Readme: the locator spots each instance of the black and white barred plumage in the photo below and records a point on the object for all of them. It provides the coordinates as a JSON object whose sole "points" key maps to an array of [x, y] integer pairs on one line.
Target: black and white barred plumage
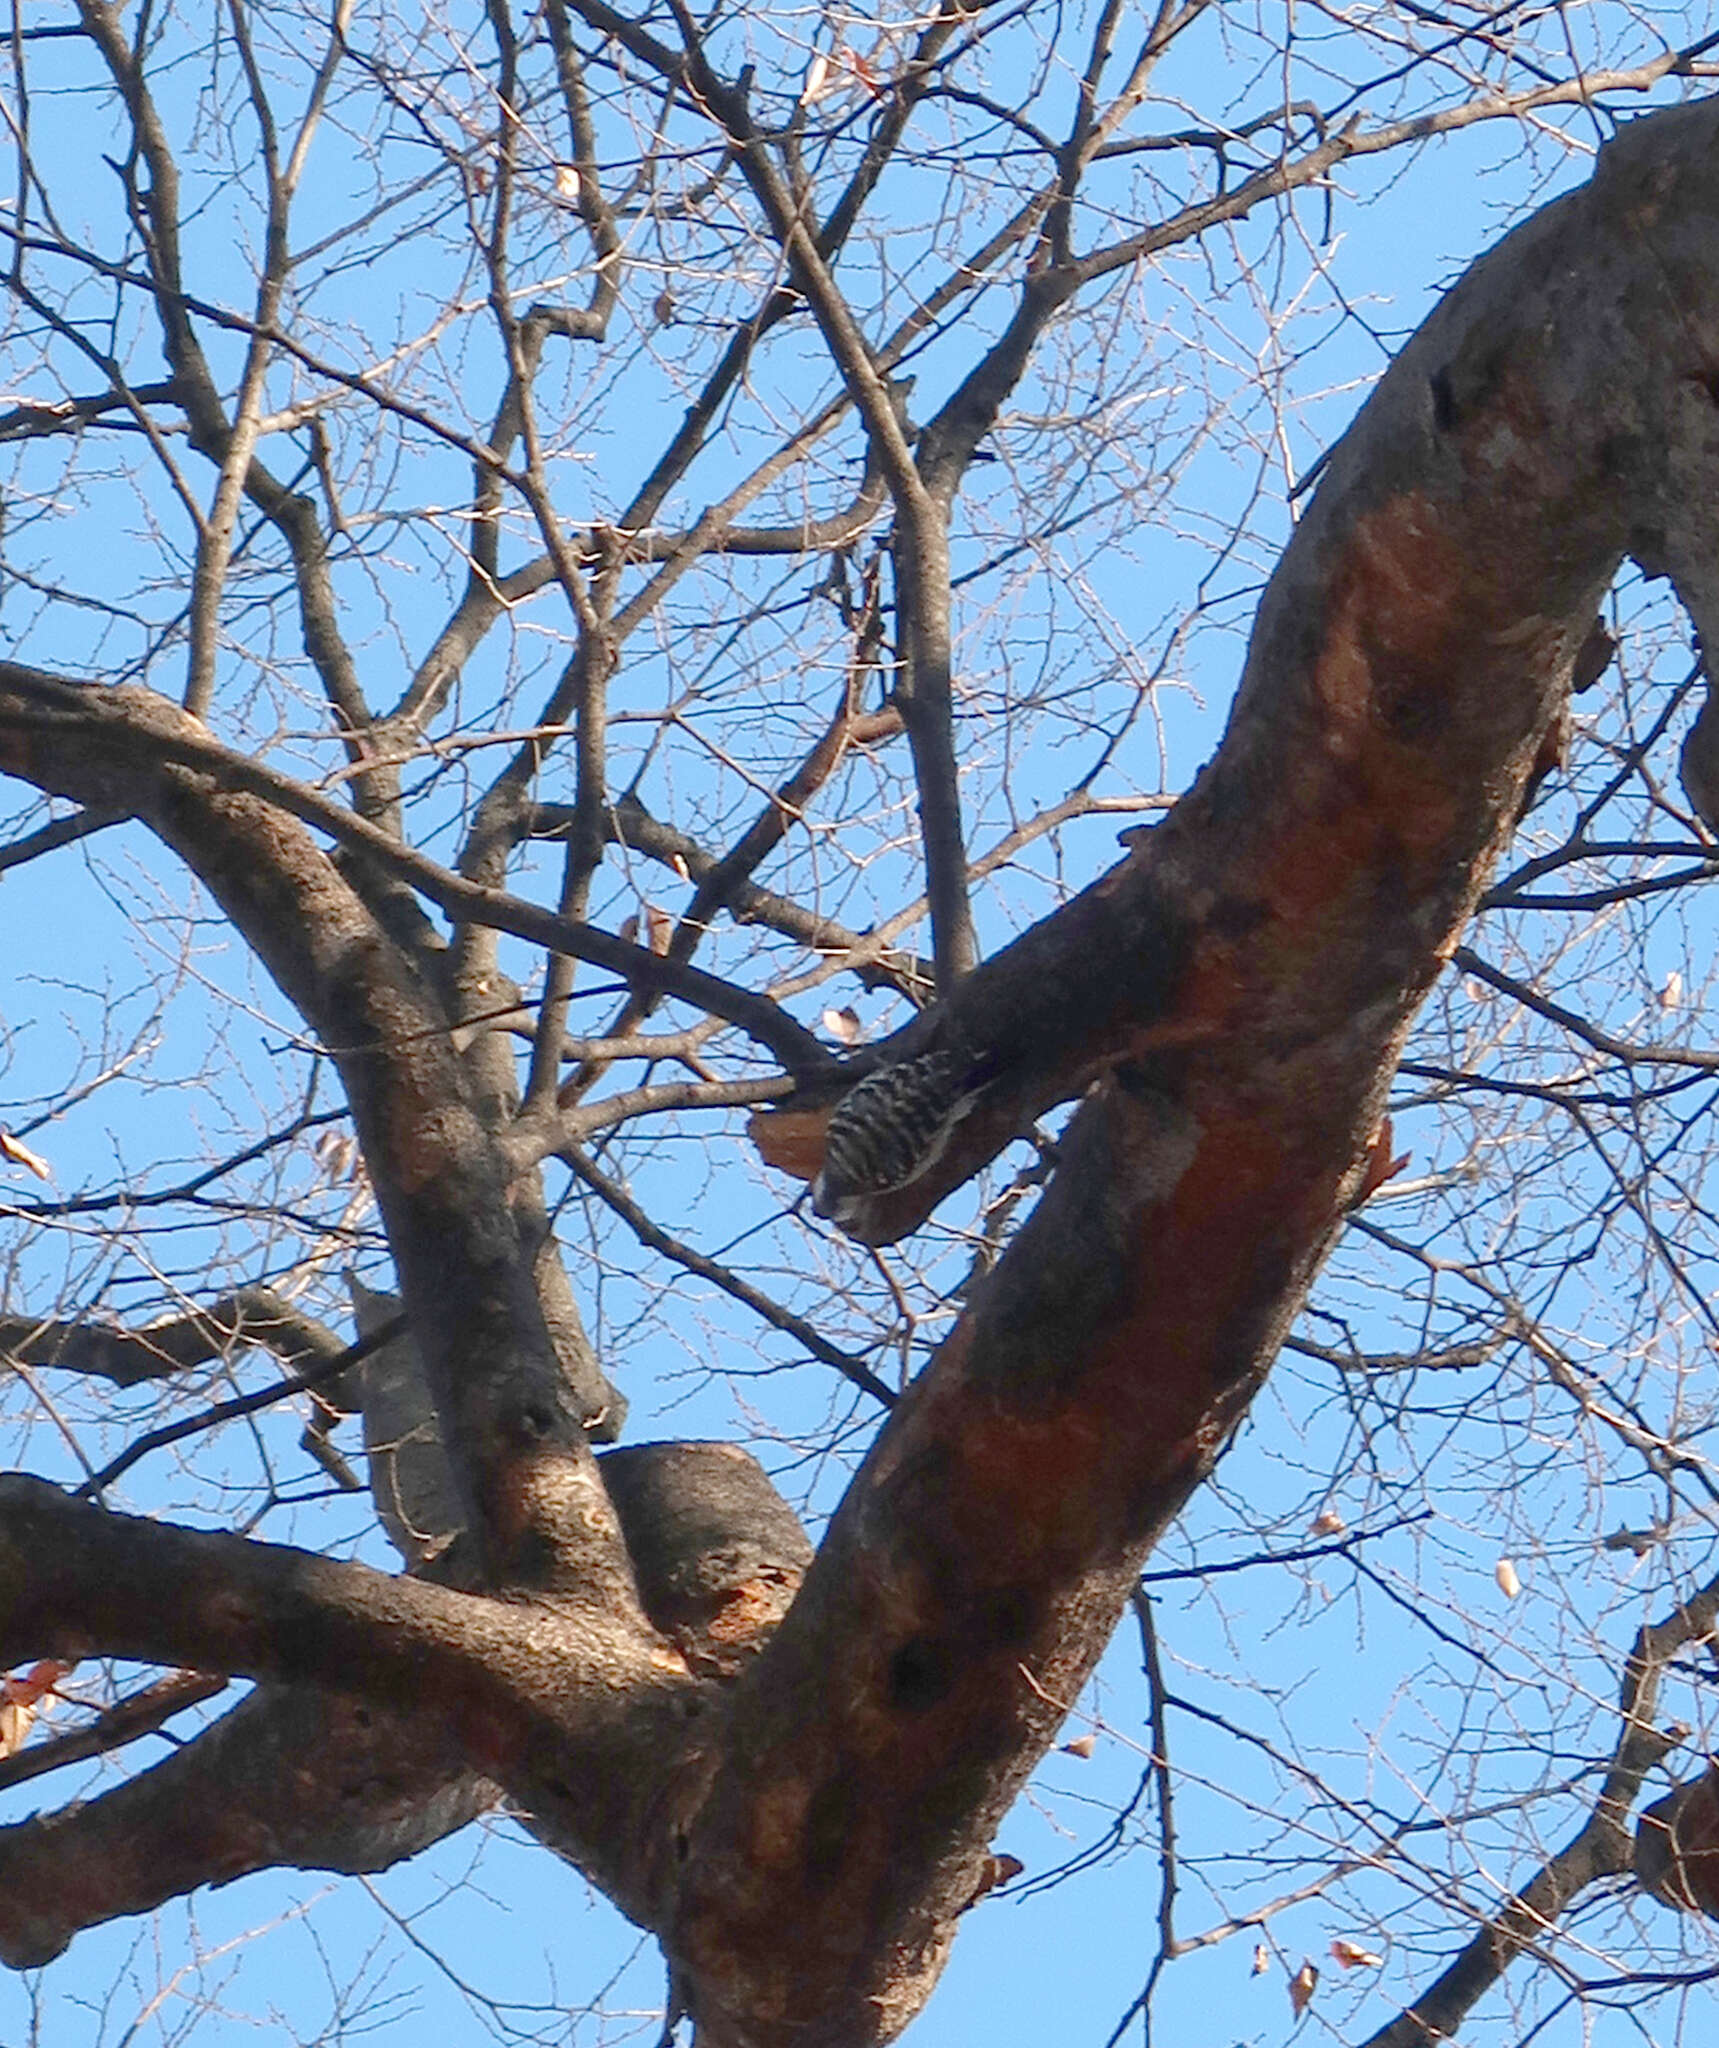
{"points": [[890, 1128]]}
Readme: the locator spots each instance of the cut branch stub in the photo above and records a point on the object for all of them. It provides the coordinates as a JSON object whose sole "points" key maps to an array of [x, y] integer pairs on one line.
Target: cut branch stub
{"points": [[718, 1553], [1677, 1847]]}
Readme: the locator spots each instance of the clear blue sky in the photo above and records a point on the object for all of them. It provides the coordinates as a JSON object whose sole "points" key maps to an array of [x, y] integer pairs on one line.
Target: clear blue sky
{"points": [[411, 1956]]}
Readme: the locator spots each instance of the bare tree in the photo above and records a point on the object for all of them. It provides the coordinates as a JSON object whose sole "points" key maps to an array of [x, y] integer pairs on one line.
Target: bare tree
{"points": [[647, 510]]}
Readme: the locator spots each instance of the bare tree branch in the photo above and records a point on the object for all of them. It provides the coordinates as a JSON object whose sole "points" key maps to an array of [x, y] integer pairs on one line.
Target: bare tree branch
{"points": [[1601, 1848], [252, 1315], [67, 705], [127, 1720]]}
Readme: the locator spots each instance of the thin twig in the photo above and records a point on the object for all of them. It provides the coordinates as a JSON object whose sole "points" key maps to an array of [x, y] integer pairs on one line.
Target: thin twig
{"points": [[648, 1233], [141, 1713], [1600, 1849], [241, 1404]]}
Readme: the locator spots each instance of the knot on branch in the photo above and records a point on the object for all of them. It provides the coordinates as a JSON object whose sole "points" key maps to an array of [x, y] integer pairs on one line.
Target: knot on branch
{"points": [[1677, 1847]]}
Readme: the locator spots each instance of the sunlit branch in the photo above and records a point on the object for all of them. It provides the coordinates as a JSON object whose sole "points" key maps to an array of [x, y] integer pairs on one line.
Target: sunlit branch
{"points": [[61, 832], [142, 1713], [251, 1315], [36, 417]]}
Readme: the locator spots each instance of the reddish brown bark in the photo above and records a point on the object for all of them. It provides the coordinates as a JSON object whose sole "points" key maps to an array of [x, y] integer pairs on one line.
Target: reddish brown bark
{"points": [[1246, 977], [1235, 992]]}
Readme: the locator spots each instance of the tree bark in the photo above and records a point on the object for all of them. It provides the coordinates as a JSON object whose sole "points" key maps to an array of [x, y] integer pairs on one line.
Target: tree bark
{"points": [[1243, 982], [327, 1779], [1556, 412], [1234, 994], [309, 1779]]}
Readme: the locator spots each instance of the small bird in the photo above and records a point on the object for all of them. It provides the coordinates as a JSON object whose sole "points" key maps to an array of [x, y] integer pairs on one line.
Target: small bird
{"points": [[891, 1128]]}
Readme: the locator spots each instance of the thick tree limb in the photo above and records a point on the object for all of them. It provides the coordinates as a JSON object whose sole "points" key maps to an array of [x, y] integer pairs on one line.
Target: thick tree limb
{"points": [[469, 1257], [417, 1497], [1235, 994], [69, 1586], [336, 1781], [925, 695], [579, 1708], [1246, 978], [719, 1553], [311, 1780], [1346, 748]]}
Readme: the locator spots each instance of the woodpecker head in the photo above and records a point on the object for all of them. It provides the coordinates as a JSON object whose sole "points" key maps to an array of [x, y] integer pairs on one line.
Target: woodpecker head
{"points": [[890, 1128]]}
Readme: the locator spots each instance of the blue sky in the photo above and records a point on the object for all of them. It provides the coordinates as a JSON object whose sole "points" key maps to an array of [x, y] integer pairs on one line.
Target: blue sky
{"points": [[1327, 1660]]}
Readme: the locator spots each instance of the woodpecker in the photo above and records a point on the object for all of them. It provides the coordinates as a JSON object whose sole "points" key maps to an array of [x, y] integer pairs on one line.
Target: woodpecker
{"points": [[890, 1128]]}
